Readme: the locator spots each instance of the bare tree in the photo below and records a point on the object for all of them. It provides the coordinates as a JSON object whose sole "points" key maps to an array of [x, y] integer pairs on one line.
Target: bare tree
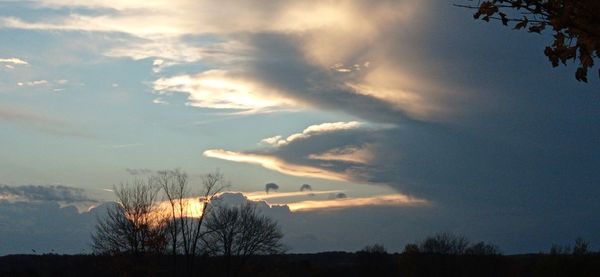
{"points": [[212, 184], [133, 225], [241, 232], [444, 243], [174, 185], [581, 247], [186, 210]]}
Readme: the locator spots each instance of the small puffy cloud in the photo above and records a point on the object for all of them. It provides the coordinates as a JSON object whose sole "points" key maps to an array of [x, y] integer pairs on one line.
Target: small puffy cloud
{"points": [[305, 187], [270, 187], [160, 101]]}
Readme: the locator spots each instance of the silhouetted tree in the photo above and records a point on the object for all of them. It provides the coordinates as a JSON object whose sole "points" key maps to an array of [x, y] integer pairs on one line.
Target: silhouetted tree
{"points": [[241, 232], [444, 243], [557, 249], [374, 249], [411, 248], [483, 249], [133, 225], [581, 247], [575, 26], [174, 186]]}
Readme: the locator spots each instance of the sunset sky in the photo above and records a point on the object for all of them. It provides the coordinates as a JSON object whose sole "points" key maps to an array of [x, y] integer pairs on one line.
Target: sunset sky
{"points": [[406, 118]]}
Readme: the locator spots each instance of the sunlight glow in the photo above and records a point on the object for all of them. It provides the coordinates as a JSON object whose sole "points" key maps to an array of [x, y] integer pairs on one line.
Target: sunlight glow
{"points": [[190, 207], [382, 200]]}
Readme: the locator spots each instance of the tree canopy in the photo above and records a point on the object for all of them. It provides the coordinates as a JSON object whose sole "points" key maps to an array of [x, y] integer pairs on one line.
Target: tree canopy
{"points": [[575, 26]]}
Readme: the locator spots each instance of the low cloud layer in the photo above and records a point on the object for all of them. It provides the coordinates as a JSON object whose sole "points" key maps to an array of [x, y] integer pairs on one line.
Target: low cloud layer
{"points": [[68, 195]]}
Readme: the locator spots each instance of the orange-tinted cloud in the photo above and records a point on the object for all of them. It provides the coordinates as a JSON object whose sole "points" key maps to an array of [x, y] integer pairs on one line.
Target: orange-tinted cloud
{"points": [[382, 200]]}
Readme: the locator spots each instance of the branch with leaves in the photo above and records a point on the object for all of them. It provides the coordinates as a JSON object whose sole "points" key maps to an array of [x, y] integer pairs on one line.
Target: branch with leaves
{"points": [[575, 26]]}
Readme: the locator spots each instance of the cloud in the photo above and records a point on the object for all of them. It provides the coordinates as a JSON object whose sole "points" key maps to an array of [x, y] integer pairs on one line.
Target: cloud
{"points": [[33, 83], [313, 130], [341, 195], [160, 101], [343, 202], [274, 56], [40, 122], [44, 193], [274, 163], [362, 154], [305, 187], [270, 187], [139, 171], [217, 89], [260, 195], [10, 62]]}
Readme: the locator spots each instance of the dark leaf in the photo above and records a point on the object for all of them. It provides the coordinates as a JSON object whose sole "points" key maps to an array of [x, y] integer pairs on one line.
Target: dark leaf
{"points": [[581, 74]]}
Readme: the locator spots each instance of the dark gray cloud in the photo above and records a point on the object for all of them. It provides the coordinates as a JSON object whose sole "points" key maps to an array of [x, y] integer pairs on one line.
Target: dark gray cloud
{"points": [[64, 194], [516, 159], [280, 63], [46, 227], [341, 195]]}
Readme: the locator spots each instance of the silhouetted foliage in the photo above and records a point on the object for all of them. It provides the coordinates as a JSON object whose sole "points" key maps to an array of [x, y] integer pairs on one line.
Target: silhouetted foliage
{"points": [[451, 244], [444, 243], [374, 249], [575, 26], [481, 249], [557, 249]]}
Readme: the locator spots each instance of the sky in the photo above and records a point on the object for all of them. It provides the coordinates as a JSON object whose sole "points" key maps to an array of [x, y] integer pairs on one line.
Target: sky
{"points": [[406, 118]]}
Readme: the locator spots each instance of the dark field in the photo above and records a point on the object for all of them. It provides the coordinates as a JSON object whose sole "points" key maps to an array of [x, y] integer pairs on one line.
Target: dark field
{"points": [[321, 264]]}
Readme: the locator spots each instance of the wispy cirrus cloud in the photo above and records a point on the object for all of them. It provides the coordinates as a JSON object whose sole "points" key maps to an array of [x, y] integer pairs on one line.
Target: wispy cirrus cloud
{"points": [[12, 62], [276, 164], [29, 118], [261, 195], [397, 200]]}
